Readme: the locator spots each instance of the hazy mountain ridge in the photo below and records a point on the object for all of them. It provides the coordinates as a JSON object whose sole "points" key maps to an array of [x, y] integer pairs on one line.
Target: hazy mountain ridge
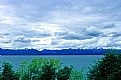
{"points": [[56, 52]]}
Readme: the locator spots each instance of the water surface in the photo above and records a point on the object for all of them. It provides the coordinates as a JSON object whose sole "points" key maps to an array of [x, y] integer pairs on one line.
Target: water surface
{"points": [[79, 61]]}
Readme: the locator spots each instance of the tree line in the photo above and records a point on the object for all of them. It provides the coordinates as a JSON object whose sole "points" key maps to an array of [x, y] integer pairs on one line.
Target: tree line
{"points": [[106, 68], [40, 69]]}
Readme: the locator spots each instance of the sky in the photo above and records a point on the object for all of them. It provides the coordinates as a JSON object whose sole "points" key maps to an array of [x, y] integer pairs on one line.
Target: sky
{"points": [[60, 24]]}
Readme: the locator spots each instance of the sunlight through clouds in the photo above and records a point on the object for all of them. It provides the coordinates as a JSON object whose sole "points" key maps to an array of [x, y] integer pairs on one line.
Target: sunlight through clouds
{"points": [[60, 24]]}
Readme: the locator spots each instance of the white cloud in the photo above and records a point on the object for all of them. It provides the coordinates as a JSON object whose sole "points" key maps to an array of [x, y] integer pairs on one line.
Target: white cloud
{"points": [[65, 24], [45, 26], [9, 20], [88, 9], [104, 41], [69, 18]]}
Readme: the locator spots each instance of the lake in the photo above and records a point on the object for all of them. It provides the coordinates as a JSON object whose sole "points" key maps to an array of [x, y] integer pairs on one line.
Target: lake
{"points": [[79, 61]]}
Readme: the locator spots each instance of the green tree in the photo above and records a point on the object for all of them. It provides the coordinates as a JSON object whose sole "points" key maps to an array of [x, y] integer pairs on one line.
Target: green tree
{"points": [[24, 71], [65, 73], [48, 72], [0, 76], [38, 67], [8, 73], [108, 68], [77, 75]]}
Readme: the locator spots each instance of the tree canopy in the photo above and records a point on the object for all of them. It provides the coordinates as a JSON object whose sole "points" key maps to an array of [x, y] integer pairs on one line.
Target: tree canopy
{"points": [[108, 68], [8, 73]]}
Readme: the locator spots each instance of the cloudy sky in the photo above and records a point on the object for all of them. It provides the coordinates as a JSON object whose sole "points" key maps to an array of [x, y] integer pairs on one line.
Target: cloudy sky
{"points": [[58, 24]]}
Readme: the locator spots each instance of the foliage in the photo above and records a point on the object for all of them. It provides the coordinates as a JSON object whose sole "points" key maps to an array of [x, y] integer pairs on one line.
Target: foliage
{"points": [[38, 68], [8, 73], [77, 75], [65, 73], [48, 72], [0, 76], [108, 68]]}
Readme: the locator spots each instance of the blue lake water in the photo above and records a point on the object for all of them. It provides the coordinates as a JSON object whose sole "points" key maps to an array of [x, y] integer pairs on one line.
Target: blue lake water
{"points": [[79, 61]]}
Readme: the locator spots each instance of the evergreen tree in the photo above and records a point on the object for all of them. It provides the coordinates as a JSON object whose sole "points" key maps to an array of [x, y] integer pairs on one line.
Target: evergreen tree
{"points": [[8, 73], [77, 75], [48, 72], [108, 68], [65, 73]]}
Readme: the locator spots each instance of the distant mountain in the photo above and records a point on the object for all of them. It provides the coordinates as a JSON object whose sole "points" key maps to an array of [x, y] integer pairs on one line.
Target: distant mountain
{"points": [[56, 52]]}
